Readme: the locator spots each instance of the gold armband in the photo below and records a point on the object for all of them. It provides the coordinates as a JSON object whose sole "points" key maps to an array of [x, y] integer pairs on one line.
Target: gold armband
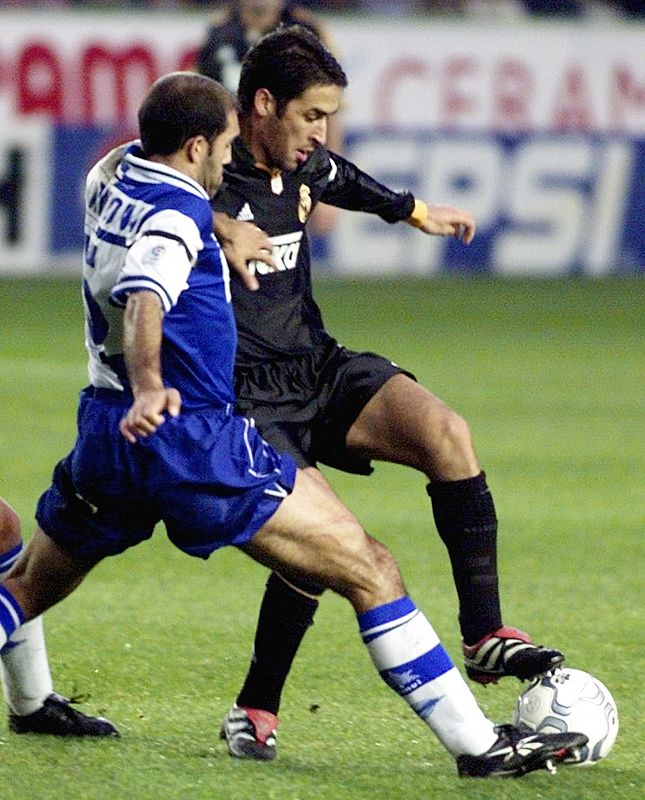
{"points": [[419, 215]]}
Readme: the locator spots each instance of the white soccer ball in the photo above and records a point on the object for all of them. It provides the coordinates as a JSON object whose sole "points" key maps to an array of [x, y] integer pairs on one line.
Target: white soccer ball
{"points": [[571, 700]]}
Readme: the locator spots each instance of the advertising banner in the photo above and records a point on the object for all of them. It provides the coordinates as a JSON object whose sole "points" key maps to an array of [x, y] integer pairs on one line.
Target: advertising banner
{"points": [[537, 129], [545, 204], [513, 77]]}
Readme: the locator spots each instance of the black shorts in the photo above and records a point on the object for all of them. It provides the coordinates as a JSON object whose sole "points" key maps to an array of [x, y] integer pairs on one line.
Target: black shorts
{"points": [[305, 405]]}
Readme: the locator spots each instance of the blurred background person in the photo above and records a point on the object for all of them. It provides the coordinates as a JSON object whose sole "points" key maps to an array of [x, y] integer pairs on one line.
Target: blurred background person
{"points": [[238, 26], [232, 31]]}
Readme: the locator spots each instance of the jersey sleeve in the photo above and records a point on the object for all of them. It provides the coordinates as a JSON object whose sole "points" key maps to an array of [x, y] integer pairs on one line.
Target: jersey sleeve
{"points": [[159, 259], [350, 188]]}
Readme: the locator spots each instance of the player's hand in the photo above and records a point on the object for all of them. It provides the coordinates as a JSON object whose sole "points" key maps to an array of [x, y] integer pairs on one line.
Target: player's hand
{"points": [[448, 221], [242, 242], [147, 411]]}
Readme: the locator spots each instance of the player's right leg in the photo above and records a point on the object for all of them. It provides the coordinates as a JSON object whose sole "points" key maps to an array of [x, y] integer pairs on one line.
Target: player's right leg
{"points": [[405, 423], [34, 707], [314, 535]]}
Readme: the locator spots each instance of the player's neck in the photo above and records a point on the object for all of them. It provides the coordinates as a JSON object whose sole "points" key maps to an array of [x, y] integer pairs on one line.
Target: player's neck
{"points": [[179, 163], [254, 145]]}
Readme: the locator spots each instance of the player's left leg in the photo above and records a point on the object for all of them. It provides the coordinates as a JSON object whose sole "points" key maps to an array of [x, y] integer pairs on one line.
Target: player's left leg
{"points": [[286, 613], [404, 423], [312, 534], [34, 707]]}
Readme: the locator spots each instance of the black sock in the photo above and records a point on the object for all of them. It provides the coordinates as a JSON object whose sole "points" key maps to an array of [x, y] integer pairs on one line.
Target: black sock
{"points": [[465, 517], [285, 615]]}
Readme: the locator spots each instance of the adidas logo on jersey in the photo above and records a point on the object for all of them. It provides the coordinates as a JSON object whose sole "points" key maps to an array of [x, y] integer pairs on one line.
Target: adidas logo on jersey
{"points": [[285, 254], [245, 214]]}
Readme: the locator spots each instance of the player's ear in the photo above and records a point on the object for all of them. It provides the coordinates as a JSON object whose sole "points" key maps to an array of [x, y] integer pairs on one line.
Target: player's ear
{"points": [[264, 103], [195, 148]]}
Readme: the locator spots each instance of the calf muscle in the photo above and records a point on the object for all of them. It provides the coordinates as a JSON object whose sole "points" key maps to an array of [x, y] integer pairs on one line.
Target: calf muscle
{"points": [[314, 534]]}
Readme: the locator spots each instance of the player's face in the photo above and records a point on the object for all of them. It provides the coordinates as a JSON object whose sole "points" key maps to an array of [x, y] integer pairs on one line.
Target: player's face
{"points": [[220, 154], [262, 6], [290, 139]]}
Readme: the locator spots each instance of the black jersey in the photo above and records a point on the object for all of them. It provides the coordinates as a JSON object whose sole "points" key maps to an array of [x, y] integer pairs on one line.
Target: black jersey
{"points": [[281, 318]]}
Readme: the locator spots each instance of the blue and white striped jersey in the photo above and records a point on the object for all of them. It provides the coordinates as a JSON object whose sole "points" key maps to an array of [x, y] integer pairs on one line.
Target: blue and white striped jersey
{"points": [[148, 226]]}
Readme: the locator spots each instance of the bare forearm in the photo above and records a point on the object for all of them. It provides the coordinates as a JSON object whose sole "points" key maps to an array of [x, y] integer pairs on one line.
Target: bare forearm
{"points": [[142, 334]]}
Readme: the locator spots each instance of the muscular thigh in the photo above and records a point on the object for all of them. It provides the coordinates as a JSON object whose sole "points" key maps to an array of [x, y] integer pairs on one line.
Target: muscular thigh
{"points": [[45, 574], [402, 423]]}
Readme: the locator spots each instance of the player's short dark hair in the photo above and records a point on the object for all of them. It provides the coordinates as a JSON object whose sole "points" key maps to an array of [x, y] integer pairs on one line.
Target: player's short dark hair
{"points": [[287, 62], [179, 106]]}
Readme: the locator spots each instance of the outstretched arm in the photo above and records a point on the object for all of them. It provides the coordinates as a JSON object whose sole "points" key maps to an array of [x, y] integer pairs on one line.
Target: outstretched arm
{"points": [[351, 188], [142, 334]]}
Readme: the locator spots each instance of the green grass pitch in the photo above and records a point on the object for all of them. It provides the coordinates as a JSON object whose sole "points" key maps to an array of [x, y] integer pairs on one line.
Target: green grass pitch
{"points": [[550, 375]]}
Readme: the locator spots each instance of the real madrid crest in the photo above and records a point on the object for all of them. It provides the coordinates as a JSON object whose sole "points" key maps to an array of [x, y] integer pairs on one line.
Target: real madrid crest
{"points": [[277, 185], [304, 204]]}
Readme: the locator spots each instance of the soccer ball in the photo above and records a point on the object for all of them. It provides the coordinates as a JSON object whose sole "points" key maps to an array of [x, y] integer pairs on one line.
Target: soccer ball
{"points": [[571, 700]]}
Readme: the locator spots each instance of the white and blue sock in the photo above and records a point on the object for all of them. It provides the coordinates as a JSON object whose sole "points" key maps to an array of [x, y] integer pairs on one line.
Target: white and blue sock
{"points": [[26, 677], [411, 660], [11, 617]]}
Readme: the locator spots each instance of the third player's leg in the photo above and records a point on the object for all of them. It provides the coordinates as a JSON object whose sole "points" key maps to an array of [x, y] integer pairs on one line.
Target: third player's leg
{"points": [[44, 574], [406, 424], [9, 528]]}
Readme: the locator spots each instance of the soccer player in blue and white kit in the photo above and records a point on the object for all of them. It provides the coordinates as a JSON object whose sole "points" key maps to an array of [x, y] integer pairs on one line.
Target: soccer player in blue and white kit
{"points": [[158, 439]]}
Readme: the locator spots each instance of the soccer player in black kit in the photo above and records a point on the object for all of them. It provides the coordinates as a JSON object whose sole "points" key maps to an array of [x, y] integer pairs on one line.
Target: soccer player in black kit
{"points": [[326, 404]]}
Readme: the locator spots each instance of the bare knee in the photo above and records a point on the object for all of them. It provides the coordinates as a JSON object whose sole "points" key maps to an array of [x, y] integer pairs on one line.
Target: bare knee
{"points": [[315, 536], [407, 424], [450, 452], [455, 433], [10, 535]]}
